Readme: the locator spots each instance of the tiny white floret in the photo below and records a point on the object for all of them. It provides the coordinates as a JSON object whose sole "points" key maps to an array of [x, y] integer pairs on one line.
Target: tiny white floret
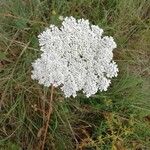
{"points": [[75, 57]]}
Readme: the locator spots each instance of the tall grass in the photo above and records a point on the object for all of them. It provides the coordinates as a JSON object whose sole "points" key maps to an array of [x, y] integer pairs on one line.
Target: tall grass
{"points": [[117, 119]]}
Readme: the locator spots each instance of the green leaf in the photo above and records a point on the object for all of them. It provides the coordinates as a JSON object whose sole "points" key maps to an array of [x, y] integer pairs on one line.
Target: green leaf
{"points": [[3, 56]]}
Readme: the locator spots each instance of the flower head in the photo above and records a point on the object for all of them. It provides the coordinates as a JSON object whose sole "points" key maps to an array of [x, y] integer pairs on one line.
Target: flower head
{"points": [[75, 57]]}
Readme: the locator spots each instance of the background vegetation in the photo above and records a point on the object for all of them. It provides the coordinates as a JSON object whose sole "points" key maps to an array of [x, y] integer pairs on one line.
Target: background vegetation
{"points": [[118, 119]]}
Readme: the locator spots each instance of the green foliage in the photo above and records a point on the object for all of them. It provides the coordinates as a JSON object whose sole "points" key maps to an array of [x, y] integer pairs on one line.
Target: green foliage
{"points": [[116, 119], [10, 146]]}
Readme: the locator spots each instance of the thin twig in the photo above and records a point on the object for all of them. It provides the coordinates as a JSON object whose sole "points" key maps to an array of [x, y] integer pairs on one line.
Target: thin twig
{"points": [[48, 117]]}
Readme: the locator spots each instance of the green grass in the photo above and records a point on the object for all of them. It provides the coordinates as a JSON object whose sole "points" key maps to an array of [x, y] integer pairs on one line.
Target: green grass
{"points": [[118, 119]]}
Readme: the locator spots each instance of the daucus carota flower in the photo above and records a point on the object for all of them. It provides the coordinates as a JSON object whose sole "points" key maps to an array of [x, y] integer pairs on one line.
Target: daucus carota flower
{"points": [[75, 57]]}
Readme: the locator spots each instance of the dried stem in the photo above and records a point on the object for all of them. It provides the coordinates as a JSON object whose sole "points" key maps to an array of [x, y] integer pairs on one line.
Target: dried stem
{"points": [[48, 117]]}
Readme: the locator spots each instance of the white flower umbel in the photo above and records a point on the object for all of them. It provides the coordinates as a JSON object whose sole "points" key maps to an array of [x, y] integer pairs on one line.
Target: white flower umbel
{"points": [[75, 57]]}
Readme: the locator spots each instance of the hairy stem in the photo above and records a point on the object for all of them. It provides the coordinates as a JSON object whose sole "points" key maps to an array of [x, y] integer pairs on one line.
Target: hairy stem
{"points": [[48, 117]]}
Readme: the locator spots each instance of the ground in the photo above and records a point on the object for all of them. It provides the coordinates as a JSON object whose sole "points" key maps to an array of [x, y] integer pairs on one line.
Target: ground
{"points": [[118, 119]]}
